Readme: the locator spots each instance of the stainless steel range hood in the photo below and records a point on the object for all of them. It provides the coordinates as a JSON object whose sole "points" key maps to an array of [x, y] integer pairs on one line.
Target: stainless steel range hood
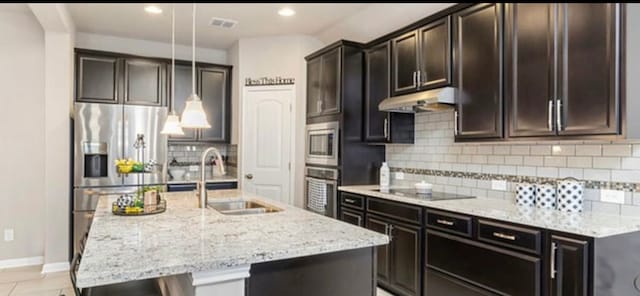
{"points": [[424, 101]]}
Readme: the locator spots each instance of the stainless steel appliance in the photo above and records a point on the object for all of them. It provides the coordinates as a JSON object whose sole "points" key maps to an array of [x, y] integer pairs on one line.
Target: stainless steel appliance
{"points": [[322, 143], [102, 134], [321, 190], [428, 100]]}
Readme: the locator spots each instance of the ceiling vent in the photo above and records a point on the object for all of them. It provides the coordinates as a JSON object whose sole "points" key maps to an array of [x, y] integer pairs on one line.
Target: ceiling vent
{"points": [[222, 23]]}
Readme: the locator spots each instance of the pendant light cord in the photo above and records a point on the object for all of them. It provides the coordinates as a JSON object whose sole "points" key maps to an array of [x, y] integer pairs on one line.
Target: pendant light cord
{"points": [[193, 52], [173, 58]]}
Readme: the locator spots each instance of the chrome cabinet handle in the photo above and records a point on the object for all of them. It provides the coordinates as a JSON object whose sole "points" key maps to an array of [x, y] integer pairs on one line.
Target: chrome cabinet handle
{"points": [[504, 236], [348, 200], [550, 119], [445, 222], [559, 114], [390, 232], [419, 78], [359, 221], [415, 80], [386, 129], [554, 248], [249, 176], [455, 122]]}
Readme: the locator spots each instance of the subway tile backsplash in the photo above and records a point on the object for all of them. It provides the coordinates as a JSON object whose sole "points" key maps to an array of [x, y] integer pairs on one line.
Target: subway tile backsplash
{"points": [[468, 168]]}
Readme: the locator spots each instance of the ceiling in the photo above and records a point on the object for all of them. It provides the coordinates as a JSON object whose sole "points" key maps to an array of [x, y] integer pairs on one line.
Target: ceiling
{"points": [[254, 20]]}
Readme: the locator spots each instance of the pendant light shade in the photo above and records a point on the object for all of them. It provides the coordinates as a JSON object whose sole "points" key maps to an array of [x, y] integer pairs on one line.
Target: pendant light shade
{"points": [[172, 125], [193, 115]]}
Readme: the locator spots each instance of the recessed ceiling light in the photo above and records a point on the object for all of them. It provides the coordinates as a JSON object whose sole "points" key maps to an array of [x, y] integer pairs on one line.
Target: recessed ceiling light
{"points": [[286, 11], [152, 9]]}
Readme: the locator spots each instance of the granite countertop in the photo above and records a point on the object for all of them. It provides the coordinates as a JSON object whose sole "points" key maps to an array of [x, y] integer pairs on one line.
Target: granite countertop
{"points": [[209, 179], [188, 239], [587, 224]]}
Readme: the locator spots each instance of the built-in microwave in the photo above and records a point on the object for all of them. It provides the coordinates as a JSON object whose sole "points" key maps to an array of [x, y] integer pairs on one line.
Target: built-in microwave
{"points": [[322, 143]]}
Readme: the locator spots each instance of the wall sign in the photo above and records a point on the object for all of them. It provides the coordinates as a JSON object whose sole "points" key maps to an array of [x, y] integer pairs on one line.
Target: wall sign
{"points": [[269, 81]]}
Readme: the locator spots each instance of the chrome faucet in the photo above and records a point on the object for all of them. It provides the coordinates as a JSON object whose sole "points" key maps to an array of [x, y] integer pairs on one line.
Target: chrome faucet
{"points": [[202, 184]]}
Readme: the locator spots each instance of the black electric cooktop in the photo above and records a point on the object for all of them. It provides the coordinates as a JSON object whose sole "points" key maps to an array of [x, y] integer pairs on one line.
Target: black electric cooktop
{"points": [[412, 193]]}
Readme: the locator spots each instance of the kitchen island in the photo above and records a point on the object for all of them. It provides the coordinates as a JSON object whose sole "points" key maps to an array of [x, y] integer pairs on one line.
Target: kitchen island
{"points": [[195, 251]]}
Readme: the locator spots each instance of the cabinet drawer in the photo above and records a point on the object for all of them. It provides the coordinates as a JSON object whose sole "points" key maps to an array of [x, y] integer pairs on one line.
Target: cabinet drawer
{"points": [[498, 270], [448, 222], [352, 200], [395, 210], [519, 238]]}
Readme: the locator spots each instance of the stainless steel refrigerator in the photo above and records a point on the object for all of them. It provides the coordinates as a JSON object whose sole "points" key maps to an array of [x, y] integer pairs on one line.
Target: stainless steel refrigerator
{"points": [[102, 134]]}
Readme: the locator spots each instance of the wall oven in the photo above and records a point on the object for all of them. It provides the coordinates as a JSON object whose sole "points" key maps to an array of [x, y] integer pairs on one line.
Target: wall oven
{"points": [[321, 190], [322, 143]]}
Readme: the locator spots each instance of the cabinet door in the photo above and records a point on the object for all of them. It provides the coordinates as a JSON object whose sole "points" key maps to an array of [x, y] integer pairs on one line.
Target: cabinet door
{"points": [[314, 90], [406, 254], [213, 90], [589, 68], [529, 63], [478, 48], [352, 217], [97, 78], [435, 54], [570, 266], [182, 92], [381, 226], [144, 82], [405, 63], [376, 124], [330, 82]]}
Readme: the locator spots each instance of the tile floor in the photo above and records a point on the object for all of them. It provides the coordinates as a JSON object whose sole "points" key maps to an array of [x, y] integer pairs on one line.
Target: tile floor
{"points": [[28, 281]]}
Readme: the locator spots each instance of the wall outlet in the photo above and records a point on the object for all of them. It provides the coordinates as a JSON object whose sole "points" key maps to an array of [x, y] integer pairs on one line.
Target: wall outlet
{"points": [[8, 235], [614, 196], [499, 185], [399, 176]]}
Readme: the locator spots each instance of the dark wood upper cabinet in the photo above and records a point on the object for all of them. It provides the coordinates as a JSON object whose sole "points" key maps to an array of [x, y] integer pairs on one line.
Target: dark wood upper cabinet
{"points": [[478, 58], [324, 90], [435, 54], [529, 69], [331, 77], [379, 126], [213, 86], [97, 78], [405, 63], [144, 82], [589, 68], [314, 87], [183, 91], [570, 263]]}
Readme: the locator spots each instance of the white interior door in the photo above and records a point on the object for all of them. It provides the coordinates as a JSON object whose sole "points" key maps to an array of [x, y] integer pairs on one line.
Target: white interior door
{"points": [[266, 141]]}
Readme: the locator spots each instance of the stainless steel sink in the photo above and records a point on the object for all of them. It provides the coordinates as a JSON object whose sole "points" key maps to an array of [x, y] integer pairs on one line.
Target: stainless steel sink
{"points": [[242, 207]]}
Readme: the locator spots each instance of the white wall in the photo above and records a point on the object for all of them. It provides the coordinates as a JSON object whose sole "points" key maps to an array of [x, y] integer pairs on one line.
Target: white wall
{"points": [[147, 48], [378, 19], [22, 130], [269, 57]]}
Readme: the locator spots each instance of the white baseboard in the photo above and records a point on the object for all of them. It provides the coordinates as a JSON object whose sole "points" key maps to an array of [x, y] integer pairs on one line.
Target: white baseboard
{"points": [[55, 267], [20, 262]]}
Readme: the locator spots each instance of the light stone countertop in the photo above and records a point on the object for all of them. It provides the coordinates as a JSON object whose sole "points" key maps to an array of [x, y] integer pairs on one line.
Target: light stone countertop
{"points": [[187, 239], [209, 179], [586, 224]]}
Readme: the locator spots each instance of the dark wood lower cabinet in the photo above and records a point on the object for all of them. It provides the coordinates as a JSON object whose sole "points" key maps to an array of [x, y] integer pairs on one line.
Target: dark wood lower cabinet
{"points": [[352, 217], [399, 263], [494, 269], [438, 283], [570, 266]]}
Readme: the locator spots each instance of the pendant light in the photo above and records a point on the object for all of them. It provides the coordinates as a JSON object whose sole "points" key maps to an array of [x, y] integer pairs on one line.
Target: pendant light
{"points": [[172, 125], [193, 115]]}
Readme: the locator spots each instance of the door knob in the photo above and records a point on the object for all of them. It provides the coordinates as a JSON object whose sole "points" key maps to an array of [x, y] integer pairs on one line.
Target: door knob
{"points": [[249, 176]]}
